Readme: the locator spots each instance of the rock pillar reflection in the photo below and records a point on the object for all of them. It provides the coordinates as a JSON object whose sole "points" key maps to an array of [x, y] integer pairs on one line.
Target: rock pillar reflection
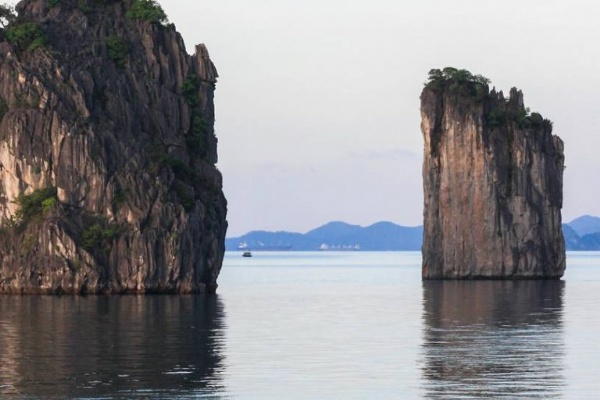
{"points": [[159, 346], [488, 339]]}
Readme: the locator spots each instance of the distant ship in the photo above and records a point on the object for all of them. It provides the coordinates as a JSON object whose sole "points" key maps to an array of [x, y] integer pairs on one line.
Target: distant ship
{"points": [[247, 254], [340, 247], [265, 247]]}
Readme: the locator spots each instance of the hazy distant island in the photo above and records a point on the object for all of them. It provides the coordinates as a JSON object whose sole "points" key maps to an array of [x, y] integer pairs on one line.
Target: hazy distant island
{"points": [[493, 183], [337, 235], [580, 234]]}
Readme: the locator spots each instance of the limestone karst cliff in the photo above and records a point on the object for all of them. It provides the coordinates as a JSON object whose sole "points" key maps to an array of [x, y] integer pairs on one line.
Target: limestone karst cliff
{"points": [[493, 177], [108, 181]]}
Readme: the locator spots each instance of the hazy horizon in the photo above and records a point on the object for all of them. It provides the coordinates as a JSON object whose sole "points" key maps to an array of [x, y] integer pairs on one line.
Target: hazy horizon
{"points": [[230, 236]]}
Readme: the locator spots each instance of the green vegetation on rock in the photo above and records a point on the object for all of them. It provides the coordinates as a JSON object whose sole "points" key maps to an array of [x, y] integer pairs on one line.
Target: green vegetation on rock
{"points": [[190, 87], [35, 204], [457, 80], [48, 204], [117, 50], [199, 127], [180, 168], [476, 87], [195, 140], [147, 10], [26, 35], [83, 6], [95, 236], [120, 197], [503, 114], [185, 195], [496, 118]]}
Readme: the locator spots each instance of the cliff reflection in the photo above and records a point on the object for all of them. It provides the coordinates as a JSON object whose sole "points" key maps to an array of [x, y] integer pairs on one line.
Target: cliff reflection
{"points": [[105, 346], [493, 339]]}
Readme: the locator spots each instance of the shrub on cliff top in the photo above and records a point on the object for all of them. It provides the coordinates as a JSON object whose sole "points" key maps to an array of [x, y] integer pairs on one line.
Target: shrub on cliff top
{"points": [[457, 80], [536, 120], [523, 119], [469, 86], [451, 74], [147, 10]]}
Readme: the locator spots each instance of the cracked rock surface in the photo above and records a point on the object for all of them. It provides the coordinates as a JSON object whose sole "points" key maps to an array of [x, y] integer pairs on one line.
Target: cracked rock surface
{"points": [[108, 181], [493, 179]]}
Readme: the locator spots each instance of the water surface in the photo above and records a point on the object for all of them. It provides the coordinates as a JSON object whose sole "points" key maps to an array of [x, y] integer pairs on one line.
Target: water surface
{"points": [[313, 325]]}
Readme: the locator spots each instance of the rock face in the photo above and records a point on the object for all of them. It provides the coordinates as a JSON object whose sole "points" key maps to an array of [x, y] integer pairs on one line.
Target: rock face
{"points": [[493, 177], [107, 153]]}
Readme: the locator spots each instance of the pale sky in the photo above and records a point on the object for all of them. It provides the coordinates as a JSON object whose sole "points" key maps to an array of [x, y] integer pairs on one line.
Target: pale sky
{"points": [[317, 102]]}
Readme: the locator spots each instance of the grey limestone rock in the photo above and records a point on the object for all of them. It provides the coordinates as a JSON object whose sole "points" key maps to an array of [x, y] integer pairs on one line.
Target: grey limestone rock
{"points": [[108, 181], [493, 177]]}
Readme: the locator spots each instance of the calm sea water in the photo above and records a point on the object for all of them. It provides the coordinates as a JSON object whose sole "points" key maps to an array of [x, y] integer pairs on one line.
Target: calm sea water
{"points": [[313, 326]]}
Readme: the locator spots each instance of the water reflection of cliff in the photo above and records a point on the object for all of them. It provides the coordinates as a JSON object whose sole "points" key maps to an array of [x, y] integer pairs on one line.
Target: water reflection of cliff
{"points": [[124, 346], [490, 339]]}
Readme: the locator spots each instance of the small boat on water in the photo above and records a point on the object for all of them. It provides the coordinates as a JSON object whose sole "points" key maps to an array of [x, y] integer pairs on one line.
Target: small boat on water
{"points": [[247, 254]]}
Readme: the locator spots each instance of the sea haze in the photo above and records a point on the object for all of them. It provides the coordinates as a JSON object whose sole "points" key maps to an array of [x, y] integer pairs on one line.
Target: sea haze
{"points": [[308, 325]]}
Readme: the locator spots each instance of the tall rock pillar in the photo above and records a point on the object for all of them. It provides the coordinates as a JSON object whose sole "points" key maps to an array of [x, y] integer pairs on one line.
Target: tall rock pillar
{"points": [[108, 182], [493, 177]]}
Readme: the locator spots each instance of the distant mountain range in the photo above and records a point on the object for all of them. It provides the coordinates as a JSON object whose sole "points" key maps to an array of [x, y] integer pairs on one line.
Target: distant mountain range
{"points": [[582, 233], [334, 236]]}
